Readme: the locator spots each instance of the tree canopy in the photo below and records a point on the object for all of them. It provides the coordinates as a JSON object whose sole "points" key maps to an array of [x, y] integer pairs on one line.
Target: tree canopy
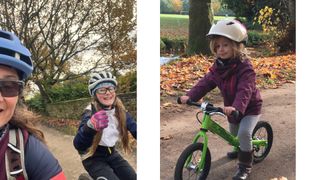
{"points": [[69, 39]]}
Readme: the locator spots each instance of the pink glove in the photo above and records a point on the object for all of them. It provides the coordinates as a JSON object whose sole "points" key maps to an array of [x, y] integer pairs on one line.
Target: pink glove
{"points": [[98, 121]]}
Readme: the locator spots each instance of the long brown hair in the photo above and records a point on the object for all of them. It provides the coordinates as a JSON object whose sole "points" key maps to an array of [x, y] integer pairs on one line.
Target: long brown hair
{"points": [[120, 113], [24, 119]]}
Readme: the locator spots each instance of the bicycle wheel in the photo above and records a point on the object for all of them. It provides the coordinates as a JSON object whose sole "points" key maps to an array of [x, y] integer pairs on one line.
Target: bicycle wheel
{"points": [[192, 169], [262, 131]]}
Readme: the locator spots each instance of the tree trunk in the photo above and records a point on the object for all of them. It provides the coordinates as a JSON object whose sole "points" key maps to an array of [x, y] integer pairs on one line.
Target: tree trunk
{"points": [[199, 25], [292, 10], [45, 98]]}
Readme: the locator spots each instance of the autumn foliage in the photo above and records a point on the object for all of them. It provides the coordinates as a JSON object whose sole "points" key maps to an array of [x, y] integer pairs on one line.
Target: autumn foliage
{"points": [[181, 75]]}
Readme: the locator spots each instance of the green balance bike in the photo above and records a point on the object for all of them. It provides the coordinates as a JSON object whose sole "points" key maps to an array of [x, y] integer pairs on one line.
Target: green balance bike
{"points": [[195, 161]]}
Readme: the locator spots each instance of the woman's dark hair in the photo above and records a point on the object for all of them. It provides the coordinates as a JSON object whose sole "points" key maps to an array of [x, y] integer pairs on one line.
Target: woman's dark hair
{"points": [[24, 119]]}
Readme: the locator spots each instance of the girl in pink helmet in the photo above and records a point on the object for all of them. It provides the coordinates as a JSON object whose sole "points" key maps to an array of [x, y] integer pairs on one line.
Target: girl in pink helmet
{"points": [[233, 74]]}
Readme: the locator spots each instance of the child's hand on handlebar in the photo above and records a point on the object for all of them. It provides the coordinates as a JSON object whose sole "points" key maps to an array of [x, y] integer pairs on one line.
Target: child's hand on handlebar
{"points": [[184, 99], [227, 110]]}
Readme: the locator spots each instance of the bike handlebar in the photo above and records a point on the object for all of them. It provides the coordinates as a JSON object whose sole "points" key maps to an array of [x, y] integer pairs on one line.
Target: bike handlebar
{"points": [[208, 107]]}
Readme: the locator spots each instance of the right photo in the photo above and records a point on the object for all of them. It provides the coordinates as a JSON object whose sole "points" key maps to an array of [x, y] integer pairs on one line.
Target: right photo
{"points": [[227, 90]]}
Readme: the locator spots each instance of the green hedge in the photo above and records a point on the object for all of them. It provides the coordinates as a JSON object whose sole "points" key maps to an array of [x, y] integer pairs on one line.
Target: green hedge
{"points": [[256, 38], [36, 104], [128, 82], [177, 45], [69, 90], [73, 109], [76, 89]]}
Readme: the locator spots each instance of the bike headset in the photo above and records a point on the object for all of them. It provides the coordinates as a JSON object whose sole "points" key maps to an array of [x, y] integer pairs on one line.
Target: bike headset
{"points": [[14, 54], [231, 29], [97, 79]]}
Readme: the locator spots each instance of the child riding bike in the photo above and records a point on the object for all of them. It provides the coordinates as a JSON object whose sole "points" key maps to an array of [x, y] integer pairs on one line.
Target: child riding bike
{"points": [[233, 74], [104, 122], [23, 154]]}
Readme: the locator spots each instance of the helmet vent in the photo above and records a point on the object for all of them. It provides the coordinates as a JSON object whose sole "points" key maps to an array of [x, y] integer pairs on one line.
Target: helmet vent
{"points": [[230, 23], [7, 52], [16, 55], [5, 35], [102, 76]]}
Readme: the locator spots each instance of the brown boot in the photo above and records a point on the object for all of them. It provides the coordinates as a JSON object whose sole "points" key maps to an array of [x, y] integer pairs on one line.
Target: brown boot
{"points": [[245, 165]]}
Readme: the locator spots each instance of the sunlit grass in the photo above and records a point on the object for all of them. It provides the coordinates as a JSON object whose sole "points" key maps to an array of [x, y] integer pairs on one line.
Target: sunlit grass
{"points": [[176, 25]]}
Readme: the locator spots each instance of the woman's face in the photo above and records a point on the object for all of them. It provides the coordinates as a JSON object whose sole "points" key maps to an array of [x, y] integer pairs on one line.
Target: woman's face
{"points": [[106, 95], [7, 104], [223, 48]]}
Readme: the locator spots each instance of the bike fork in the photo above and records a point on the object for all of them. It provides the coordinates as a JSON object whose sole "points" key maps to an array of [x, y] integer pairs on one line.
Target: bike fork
{"points": [[202, 134]]}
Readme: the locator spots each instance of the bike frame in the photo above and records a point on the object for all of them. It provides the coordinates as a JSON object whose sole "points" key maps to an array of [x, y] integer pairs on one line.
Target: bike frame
{"points": [[215, 128]]}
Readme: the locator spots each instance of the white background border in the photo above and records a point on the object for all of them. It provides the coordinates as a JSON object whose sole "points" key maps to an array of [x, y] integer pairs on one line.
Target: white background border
{"points": [[148, 100]]}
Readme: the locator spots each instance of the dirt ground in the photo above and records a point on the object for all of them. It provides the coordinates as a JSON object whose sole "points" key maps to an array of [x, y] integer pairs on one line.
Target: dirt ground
{"points": [[178, 127], [62, 147]]}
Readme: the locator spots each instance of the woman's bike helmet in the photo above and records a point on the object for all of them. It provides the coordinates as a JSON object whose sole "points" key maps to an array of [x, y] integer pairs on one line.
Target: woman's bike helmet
{"points": [[14, 54]]}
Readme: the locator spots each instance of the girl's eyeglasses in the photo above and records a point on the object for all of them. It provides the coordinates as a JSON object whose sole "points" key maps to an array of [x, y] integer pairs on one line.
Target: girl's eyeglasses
{"points": [[11, 88], [105, 90]]}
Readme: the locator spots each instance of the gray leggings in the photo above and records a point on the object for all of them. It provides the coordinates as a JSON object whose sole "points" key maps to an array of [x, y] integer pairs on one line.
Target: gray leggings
{"points": [[244, 131]]}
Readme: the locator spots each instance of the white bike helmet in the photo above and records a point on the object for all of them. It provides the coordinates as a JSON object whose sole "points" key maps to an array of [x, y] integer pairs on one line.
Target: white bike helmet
{"points": [[14, 54], [231, 29], [101, 77]]}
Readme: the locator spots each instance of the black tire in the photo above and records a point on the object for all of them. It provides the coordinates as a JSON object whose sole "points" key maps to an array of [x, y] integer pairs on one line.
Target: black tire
{"points": [[262, 130], [188, 173]]}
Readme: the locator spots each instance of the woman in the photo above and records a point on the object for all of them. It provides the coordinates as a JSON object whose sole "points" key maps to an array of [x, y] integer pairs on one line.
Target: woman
{"points": [[17, 133], [104, 122]]}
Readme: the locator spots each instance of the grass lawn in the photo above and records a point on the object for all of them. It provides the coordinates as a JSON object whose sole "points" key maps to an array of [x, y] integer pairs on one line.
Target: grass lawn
{"points": [[176, 25]]}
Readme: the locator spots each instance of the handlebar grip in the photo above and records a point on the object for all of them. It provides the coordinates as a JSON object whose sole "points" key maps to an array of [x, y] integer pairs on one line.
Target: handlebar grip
{"points": [[235, 114], [190, 102], [220, 109], [179, 100]]}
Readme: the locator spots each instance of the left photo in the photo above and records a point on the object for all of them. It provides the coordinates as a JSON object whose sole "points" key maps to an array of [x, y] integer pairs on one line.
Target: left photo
{"points": [[68, 89]]}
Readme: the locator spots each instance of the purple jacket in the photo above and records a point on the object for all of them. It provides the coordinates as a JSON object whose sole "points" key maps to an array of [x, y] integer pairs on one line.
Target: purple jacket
{"points": [[237, 83]]}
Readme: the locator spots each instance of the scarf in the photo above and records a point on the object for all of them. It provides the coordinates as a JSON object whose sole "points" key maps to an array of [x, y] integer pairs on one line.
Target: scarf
{"points": [[226, 70]]}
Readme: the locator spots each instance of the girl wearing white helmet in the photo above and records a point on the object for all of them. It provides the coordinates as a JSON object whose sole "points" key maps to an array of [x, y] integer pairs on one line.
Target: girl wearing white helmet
{"points": [[103, 124], [233, 74], [23, 154]]}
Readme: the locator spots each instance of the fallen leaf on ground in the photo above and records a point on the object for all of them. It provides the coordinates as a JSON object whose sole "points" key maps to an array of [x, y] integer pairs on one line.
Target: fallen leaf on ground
{"points": [[181, 75], [166, 137], [166, 104]]}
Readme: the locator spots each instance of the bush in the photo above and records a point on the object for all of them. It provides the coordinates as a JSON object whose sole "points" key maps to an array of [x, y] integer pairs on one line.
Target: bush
{"points": [[69, 90], [76, 89], [279, 23], [128, 82], [257, 38], [162, 45], [36, 104], [175, 45]]}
